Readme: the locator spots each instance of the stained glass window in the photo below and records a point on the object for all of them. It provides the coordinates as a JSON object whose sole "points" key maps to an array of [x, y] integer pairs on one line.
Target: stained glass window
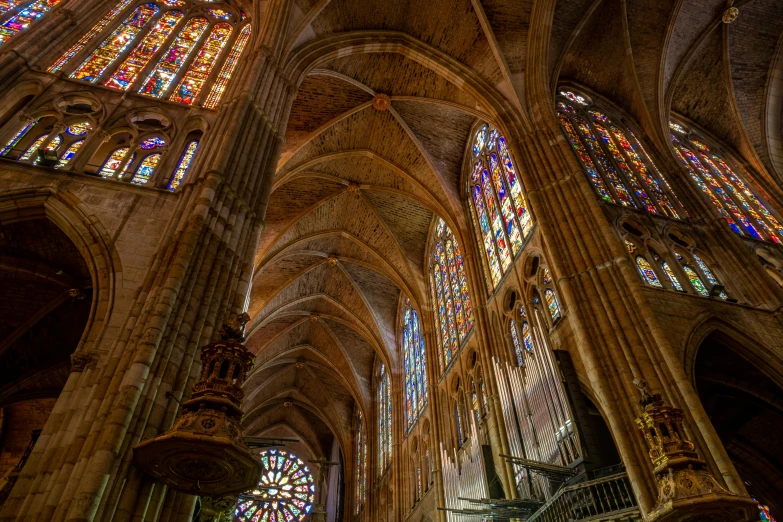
{"points": [[219, 13], [671, 277], [197, 74], [647, 272], [361, 463], [33, 148], [17, 138], [474, 400], [695, 280], [128, 72], [460, 430], [145, 169], [552, 305], [184, 164], [384, 420], [78, 129], [502, 219], [69, 153], [113, 162], [152, 143], [764, 513], [285, 492], [614, 160], [90, 36], [415, 366], [742, 209], [219, 86], [517, 345], [177, 54], [119, 40], [6, 5], [454, 312], [20, 21]]}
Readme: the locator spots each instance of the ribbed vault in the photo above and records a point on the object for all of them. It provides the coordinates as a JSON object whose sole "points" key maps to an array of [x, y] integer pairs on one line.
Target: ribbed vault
{"points": [[358, 189]]}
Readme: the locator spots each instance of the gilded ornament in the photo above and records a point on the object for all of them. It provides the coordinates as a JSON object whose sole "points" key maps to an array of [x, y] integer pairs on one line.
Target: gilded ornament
{"points": [[729, 15]]}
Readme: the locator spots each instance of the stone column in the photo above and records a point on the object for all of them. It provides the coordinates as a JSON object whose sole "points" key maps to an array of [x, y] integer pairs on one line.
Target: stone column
{"points": [[81, 470]]}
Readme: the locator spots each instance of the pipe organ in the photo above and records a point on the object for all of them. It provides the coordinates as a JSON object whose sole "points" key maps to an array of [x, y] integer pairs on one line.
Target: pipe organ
{"points": [[464, 477]]}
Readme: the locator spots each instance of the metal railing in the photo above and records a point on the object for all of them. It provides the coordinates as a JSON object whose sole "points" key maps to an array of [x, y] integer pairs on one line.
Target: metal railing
{"points": [[606, 498]]}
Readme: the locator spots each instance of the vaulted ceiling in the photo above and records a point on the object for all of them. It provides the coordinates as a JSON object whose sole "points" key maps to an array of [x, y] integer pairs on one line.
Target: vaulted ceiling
{"points": [[359, 187]]}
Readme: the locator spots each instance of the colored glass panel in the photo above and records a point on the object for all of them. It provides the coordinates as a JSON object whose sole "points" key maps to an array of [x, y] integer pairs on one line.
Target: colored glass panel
{"points": [[361, 463], [481, 138], [525, 219], [221, 82], [145, 170], [17, 138], [448, 301], [415, 367], [474, 400], [517, 345], [482, 261], [764, 513], [505, 205], [219, 14], [111, 48], [198, 73], [552, 305], [113, 162], [451, 269], [79, 129], [647, 272], [695, 280], [615, 153], [285, 491], [463, 287], [152, 143], [128, 72], [6, 5], [89, 36], [384, 420], [527, 338], [585, 159], [159, 80], [677, 128], [33, 147], [648, 179], [486, 234], [444, 356], [573, 97], [494, 219], [460, 431], [20, 21], [69, 153], [708, 274], [671, 277], [184, 165]]}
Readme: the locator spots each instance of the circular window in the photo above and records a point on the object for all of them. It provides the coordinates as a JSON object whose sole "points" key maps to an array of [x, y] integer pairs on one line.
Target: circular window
{"points": [[284, 493]]}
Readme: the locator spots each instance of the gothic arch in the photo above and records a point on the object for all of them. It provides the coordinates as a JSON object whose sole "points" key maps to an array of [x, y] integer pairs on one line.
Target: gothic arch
{"points": [[91, 239]]}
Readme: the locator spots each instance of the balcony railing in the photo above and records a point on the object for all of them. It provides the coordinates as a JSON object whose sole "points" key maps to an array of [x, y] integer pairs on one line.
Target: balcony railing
{"points": [[604, 499]]}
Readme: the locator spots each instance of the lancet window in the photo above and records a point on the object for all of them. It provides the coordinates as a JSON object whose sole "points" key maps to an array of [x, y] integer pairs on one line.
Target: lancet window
{"points": [[361, 462], [47, 134], [16, 18], [159, 50], [725, 186], [451, 297], [414, 359], [384, 419], [689, 273], [614, 159], [498, 208], [183, 165]]}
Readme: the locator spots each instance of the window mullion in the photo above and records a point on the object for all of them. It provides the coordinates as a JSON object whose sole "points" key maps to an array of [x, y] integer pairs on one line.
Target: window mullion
{"points": [[183, 68], [499, 210], [599, 166], [150, 26], [236, 32]]}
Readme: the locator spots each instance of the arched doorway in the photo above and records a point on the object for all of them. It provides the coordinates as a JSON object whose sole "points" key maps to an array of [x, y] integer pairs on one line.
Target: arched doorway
{"points": [[45, 303], [745, 406]]}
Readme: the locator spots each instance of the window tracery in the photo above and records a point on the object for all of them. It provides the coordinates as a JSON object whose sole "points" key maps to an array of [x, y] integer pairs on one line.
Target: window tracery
{"points": [[614, 160], [183, 70], [451, 296], [497, 205], [415, 366], [384, 420], [735, 201]]}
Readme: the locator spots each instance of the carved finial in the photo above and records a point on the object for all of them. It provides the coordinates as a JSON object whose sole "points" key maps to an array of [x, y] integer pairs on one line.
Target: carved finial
{"points": [[381, 102], [729, 15], [647, 399], [332, 261], [234, 327]]}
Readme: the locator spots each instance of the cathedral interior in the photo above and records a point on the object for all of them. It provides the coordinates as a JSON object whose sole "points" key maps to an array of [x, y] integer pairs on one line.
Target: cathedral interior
{"points": [[363, 261]]}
